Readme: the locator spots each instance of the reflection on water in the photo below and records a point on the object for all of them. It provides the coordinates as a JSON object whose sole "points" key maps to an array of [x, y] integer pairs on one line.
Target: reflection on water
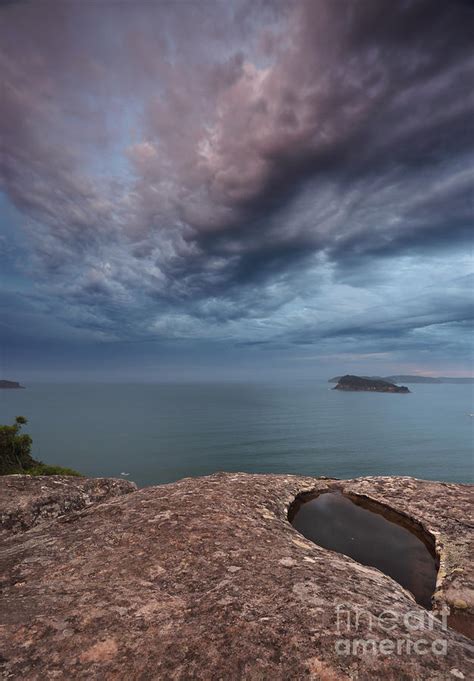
{"points": [[162, 432], [335, 522]]}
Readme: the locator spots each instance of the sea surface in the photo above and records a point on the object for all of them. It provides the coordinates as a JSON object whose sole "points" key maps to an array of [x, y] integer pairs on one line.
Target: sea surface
{"points": [[158, 433]]}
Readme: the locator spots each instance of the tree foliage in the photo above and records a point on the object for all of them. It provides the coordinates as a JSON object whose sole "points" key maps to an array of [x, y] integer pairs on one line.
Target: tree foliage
{"points": [[15, 453], [15, 448]]}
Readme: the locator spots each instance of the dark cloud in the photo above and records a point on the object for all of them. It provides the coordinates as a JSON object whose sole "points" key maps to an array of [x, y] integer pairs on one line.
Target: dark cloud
{"points": [[200, 169]]}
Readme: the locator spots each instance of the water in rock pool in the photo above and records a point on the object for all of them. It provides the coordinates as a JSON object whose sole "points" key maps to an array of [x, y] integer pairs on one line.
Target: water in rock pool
{"points": [[333, 521]]}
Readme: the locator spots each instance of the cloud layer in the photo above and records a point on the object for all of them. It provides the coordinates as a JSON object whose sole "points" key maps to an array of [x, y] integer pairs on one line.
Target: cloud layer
{"points": [[252, 172]]}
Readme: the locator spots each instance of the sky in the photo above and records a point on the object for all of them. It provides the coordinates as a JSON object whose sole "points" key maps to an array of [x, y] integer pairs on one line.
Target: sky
{"points": [[235, 188]]}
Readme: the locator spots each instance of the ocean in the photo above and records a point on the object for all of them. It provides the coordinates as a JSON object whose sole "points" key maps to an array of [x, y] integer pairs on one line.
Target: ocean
{"points": [[158, 433]]}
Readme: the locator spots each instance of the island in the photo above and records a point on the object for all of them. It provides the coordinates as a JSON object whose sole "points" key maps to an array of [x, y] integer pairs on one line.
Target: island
{"points": [[359, 383], [9, 385], [414, 379]]}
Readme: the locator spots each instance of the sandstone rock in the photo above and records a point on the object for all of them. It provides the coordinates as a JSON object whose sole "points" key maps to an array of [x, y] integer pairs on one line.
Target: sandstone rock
{"points": [[146, 586], [27, 500]]}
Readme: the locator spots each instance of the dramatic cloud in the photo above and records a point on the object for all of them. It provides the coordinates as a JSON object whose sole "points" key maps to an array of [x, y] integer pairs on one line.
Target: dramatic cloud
{"points": [[248, 172]]}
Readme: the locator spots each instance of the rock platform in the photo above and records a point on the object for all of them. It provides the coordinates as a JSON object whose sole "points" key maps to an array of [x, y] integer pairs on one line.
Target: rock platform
{"points": [[206, 579]]}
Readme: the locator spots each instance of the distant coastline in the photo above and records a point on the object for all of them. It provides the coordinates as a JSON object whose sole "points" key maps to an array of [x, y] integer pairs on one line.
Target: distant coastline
{"points": [[11, 385], [411, 379]]}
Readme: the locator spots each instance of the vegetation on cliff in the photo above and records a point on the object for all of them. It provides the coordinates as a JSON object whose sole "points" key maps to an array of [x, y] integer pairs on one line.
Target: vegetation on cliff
{"points": [[15, 453]]}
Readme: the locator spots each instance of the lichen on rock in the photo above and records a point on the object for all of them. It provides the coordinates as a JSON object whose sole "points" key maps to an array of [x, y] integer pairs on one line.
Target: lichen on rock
{"points": [[26, 501]]}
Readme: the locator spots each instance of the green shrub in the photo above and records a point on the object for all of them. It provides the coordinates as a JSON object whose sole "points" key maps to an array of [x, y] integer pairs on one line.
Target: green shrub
{"points": [[15, 449], [15, 453], [46, 469]]}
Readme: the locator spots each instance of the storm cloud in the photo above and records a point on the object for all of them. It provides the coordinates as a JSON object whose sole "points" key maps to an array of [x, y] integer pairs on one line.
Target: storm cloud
{"points": [[251, 173]]}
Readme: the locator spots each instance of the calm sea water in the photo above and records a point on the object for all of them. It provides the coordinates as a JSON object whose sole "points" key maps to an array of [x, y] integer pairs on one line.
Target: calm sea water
{"points": [[162, 432]]}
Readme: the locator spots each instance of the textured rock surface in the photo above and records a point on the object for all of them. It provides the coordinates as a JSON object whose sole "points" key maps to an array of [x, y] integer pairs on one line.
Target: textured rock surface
{"points": [[26, 501], [206, 579]]}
